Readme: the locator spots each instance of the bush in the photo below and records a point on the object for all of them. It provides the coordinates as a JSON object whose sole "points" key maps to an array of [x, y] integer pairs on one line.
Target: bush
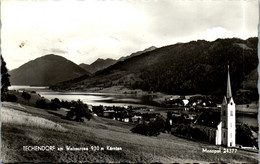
{"points": [[152, 129], [65, 104], [71, 115], [141, 129], [26, 95], [99, 110], [159, 124], [8, 97], [78, 110], [41, 103], [55, 104], [244, 136], [198, 134], [181, 129]]}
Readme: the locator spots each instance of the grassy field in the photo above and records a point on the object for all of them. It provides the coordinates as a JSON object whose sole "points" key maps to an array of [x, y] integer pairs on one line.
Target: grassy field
{"points": [[28, 126]]}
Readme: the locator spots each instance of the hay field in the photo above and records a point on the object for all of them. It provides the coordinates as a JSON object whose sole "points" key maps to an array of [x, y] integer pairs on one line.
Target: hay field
{"points": [[27, 126]]}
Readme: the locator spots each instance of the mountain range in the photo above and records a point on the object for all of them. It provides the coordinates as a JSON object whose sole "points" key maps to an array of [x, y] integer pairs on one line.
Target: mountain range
{"points": [[101, 64], [51, 69], [46, 70], [196, 67], [98, 65], [183, 68]]}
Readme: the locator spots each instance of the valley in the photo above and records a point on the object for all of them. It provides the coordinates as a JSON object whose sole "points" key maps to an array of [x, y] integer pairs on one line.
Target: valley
{"points": [[113, 81], [100, 132], [175, 83], [197, 67]]}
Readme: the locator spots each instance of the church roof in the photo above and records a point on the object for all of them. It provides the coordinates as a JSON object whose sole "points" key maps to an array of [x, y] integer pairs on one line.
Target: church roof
{"points": [[210, 119], [229, 93], [228, 96]]}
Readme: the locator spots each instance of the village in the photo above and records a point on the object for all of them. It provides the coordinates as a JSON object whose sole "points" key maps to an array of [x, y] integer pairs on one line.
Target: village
{"points": [[194, 117], [197, 118], [188, 110]]}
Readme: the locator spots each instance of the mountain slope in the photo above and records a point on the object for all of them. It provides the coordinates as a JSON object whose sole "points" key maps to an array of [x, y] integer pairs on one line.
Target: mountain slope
{"points": [[46, 70], [137, 53], [90, 68], [101, 64], [250, 80], [98, 65], [183, 68]]}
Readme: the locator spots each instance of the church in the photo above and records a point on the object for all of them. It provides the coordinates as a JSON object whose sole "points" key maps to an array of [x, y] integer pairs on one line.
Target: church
{"points": [[220, 127]]}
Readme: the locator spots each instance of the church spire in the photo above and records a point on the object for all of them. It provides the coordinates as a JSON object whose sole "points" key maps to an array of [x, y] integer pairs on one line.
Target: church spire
{"points": [[229, 93]]}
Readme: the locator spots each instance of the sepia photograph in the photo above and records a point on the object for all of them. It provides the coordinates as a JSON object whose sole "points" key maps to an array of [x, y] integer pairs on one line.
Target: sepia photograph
{"points": [[129, 81]]}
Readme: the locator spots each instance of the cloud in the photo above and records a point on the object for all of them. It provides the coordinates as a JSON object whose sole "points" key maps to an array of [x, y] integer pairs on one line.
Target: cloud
{"points": [[58, 51], [217, 32], [83, 31]]}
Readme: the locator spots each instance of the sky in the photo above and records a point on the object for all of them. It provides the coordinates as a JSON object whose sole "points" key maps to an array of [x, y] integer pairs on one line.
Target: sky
{"points": [[84, 30]]}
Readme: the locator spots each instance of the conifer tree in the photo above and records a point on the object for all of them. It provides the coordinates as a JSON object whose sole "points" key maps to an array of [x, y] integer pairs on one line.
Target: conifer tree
{"points": [[4, 77]]}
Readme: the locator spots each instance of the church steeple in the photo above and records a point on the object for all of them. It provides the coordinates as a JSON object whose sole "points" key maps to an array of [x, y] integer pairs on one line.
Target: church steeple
{"points": [[229, 93], [228, 117]]}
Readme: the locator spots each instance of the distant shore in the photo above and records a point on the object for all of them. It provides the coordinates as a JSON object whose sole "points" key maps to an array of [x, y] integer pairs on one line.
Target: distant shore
{"points": [[157, 97], [160, 97]]}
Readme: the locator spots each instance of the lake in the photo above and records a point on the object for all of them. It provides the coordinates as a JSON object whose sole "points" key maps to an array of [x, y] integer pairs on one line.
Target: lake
{"points": [[110, 99], [91, 98]]}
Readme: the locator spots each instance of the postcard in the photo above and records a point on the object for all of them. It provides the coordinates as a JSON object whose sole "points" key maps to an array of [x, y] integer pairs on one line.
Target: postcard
{"points": [[149, 81]]}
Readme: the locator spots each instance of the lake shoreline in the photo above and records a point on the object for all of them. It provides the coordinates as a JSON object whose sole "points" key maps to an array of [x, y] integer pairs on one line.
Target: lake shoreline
{"points": [[123, 98], [157, 97]]}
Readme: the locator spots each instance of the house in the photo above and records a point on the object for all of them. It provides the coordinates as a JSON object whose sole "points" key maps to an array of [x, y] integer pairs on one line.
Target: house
{"points": [[90, 108], [144, 117], [185, 102], [126, 119], [210, 124], [122, 116], [109, 113], [220, 127], [137, 118], [176, 113], [149, 117], [201, 101]]}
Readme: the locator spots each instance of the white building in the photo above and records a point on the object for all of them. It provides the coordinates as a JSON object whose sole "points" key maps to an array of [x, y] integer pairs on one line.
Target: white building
{"points": [[228, 118], [220, 128]]}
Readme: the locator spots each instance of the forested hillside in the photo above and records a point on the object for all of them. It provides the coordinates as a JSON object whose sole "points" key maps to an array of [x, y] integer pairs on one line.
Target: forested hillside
{"points": [[46, 70], [184, 68]]}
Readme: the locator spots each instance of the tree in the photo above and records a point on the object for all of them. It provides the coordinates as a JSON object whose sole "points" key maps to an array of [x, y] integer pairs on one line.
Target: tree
{"points": [[152, 128], [26, 95], [41, 103], [244, 135], [55, 104], [5, 77], [78, 110]]}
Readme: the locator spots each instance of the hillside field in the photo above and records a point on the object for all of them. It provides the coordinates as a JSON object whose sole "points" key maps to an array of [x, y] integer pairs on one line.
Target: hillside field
{"points": [[28, 126]]}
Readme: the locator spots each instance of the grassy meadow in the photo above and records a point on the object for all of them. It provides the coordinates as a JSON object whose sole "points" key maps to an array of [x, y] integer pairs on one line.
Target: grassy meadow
{"points": [[28, 126]]}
